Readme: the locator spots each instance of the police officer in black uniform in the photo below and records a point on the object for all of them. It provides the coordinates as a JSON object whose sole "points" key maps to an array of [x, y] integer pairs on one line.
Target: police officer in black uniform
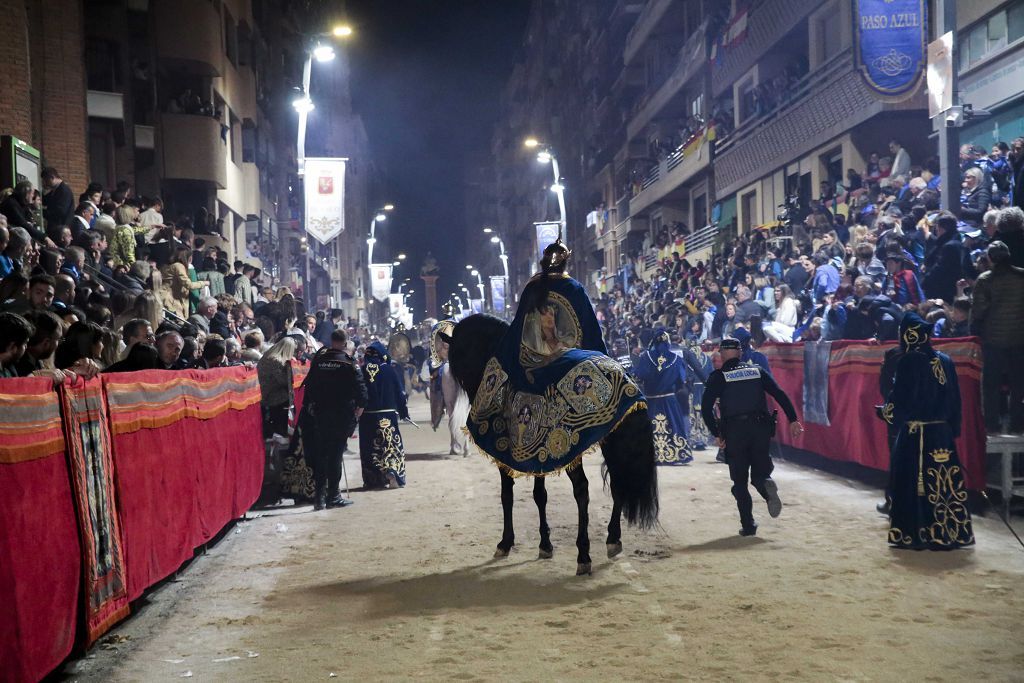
{"points": [[745, 428], [333, 401]]}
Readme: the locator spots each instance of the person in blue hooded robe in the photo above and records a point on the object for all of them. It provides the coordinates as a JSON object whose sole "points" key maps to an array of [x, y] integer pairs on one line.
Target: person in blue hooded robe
{"points": [[929, 499], [749, 354], [700, 363], [381, 451], [662, 373], [550, 393]]}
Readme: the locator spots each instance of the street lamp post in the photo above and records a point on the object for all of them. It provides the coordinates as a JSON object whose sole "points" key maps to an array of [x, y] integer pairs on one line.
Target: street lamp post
{"points": [[546, 155], [323, 53]]}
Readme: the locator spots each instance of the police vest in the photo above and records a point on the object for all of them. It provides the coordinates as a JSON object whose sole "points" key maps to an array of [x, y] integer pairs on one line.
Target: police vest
{"points": [[743, 392]]}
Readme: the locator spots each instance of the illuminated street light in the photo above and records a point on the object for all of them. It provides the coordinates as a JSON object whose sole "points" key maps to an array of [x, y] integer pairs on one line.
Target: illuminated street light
{"points": [[488, 231], [495, 240], [342, 31], [396, 263], [401, 257], [380, 217], [389, 207], [323, 53], [303, 105], [469, 267], [546, 155]]}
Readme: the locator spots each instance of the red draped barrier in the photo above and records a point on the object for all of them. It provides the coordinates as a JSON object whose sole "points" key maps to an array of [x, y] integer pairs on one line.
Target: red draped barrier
{"points": [[111, 486], [188, 454], [40, 564], [855, 433]]}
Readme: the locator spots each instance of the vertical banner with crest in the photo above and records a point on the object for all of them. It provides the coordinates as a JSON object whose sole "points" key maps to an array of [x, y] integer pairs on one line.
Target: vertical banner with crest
{"points": [[325, 198], [498, 293], [891, 45], [380, 280], [547, 233], [395, 305]]}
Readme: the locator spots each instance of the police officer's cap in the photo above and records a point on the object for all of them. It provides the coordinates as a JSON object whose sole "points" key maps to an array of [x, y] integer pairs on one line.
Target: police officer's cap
{"points": [[729, 344]]}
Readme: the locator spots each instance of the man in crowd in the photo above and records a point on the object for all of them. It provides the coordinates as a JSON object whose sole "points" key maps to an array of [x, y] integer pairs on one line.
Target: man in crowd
{"points": [[944, 265], [47, 333], [900, 159], [169, 345], [136, 331], [58, 199], [85, 212], [15, 333], [1009, 229], [997, 316], [746, 307], [64, 292], [204, 314]]}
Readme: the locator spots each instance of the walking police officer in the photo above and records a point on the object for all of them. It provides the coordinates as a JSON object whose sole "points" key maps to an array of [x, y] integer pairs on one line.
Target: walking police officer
{"points": [[334, 399], [745, 428]]}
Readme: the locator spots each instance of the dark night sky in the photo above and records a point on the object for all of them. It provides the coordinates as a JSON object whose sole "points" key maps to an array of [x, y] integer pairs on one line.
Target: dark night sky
{"points": [[426, 78]]}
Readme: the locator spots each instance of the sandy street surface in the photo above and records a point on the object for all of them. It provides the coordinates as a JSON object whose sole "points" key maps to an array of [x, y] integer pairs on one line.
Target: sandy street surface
{"points": [[402, 585]]}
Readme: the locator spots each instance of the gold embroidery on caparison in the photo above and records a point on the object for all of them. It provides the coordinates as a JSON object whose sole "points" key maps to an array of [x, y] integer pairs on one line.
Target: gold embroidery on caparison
{"points": [[938, 370], [668, 447], [887, 412], [897, 537]]}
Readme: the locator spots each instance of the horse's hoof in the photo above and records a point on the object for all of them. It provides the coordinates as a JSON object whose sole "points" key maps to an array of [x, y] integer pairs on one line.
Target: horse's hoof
{"points": [[500, 553], [583, 568], [614, 549], [545, 554]]}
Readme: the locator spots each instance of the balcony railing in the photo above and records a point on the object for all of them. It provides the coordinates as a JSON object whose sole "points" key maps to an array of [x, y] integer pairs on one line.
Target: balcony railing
{"points": [[702, 239], [801, 90]]}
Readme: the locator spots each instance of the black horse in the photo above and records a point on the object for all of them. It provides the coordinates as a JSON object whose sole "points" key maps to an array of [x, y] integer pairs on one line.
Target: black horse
{"points": [[628, 454]]}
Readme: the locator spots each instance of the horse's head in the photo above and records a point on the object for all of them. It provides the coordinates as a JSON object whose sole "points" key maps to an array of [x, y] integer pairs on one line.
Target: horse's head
{"points": [[470, 346]]}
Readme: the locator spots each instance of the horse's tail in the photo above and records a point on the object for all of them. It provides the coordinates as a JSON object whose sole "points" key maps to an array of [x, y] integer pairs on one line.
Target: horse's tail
{"points": [[629, 462]]}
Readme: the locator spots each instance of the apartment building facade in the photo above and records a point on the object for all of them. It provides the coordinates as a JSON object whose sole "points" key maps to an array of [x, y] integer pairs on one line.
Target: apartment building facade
{"points": [[712, 114]]}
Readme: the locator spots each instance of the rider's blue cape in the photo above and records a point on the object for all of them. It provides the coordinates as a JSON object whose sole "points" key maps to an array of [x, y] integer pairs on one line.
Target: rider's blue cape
{"points": [[540, 408]]}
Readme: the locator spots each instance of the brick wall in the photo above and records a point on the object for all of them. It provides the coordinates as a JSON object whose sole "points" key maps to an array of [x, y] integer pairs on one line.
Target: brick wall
{"points": [[15, 113], [57, 47]]}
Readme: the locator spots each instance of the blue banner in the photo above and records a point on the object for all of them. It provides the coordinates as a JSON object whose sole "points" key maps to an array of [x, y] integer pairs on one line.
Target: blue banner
{"points": [[547, 233], [498, 293], [891, 44]]}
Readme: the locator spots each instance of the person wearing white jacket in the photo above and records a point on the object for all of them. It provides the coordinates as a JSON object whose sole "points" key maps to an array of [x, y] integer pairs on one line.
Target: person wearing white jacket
{"points": [[787, 314], [456, 404]]}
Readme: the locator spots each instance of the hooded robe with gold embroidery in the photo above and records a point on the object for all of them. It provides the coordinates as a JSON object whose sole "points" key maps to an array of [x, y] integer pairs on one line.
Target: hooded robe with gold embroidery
{"points": [[929, 498], [662, 373]]}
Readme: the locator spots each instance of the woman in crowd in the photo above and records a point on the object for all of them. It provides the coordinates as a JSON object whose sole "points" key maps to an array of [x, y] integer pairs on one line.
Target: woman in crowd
{"points": [[787, 314], [177, 285], [82, 340], [275, 375], [122, 244]]}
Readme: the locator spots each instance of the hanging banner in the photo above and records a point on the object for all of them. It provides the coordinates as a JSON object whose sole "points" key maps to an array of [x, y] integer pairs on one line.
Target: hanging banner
{"points": [[394, 305], [325, 198], [891, 42], [547, 233], [476, 305], [380, 280], [406, 317], [498, 293]]}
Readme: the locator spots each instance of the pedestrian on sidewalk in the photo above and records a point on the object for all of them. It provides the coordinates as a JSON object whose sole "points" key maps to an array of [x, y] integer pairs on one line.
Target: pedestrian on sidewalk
{"points": [[335, 396]]}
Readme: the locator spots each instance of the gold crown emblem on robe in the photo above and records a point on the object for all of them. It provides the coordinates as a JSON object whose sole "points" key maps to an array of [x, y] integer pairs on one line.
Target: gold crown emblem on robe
{"points": [[941, 455]]}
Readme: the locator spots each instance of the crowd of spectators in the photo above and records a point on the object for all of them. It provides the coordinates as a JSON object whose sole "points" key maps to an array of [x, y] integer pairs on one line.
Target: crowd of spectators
{"points": [[104, 283], [850, 264]]}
